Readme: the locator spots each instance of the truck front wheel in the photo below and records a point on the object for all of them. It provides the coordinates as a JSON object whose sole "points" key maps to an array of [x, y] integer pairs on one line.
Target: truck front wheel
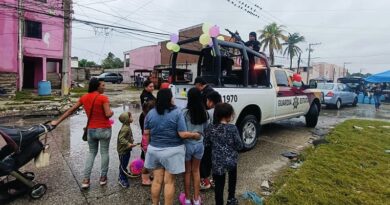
{"points": [[312, 116], [249, 129]]}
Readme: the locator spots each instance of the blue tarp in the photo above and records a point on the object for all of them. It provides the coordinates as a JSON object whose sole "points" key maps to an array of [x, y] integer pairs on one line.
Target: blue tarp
{"points": [[379, 78]]}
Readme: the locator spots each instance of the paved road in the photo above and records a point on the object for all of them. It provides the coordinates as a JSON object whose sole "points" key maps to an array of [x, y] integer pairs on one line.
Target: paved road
{"points": [[68, 151]]}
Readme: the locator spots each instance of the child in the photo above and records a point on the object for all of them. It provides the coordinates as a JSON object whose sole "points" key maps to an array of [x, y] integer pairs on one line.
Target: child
{"points": [[196, 118], [213, 98], [225, 143], [124, 146], [146, 107]]}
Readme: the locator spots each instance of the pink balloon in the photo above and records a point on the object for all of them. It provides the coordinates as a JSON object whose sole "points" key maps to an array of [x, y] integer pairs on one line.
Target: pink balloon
{"points": [[174, 38], [214, 31], [111, 121]]}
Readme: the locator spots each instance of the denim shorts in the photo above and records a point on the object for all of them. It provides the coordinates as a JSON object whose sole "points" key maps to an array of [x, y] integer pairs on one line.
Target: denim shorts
{"points": [[169, 158], [194, 150]]}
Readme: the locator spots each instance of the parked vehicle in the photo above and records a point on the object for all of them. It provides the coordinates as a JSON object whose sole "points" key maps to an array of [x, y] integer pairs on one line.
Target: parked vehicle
{"points": [[356, 84], [111, 77], [225, 66], [337, 94]]}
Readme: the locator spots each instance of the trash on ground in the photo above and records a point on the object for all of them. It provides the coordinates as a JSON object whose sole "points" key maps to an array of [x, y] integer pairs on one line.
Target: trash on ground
{"points": [[296, 165], [265, 185], [290, 155], [253, 197], [386, 127], [265, 193], [357, 127], [372, 127], [320, 141], [387, 151]]}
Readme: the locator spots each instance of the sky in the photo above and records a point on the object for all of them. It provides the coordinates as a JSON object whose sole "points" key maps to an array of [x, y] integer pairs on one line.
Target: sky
{"points": [[352, 33]]}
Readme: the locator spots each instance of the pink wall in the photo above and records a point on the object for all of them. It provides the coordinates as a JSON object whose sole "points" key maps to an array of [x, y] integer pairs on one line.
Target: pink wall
{"points": [[50, 46], [144, 58], [51, 43], [8, 38]]}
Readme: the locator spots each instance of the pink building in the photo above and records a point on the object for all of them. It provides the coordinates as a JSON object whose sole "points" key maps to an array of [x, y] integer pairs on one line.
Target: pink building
{"points": [[41, 45], [143, 58]]}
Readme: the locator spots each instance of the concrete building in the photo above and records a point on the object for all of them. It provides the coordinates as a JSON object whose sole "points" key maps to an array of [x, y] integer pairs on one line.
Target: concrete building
{"points": [[323, 70], [38, 56]]}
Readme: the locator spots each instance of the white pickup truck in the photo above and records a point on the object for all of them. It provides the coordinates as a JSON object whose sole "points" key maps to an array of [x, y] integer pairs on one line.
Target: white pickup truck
{"points": [[267, 98]]}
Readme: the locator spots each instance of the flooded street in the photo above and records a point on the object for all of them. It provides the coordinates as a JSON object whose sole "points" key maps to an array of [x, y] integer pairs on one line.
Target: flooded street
{"points": [[68, 151]]}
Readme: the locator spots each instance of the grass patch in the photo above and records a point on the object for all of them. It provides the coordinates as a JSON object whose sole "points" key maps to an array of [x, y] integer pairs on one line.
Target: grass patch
{"points": [[79, 90], [28, 96], [352, 169]]}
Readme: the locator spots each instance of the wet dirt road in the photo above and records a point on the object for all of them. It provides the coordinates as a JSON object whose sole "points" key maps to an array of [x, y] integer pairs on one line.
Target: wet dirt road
{"points": [[68, 152]]}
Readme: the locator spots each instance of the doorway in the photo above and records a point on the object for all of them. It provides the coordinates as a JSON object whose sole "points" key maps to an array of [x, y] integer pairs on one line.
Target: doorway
{"points": [[29, 65]]}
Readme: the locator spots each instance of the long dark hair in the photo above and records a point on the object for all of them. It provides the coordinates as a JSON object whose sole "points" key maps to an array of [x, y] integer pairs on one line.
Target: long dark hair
{"points": [[164, 101], [222, 110], [195, 107], [93, 85]]}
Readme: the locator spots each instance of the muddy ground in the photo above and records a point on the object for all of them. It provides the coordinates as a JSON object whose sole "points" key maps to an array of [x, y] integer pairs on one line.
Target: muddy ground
{"points": [[68, 151]]}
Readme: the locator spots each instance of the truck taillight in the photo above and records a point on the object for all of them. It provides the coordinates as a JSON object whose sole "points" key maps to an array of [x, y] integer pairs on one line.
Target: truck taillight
{"points": [[330, 94]]}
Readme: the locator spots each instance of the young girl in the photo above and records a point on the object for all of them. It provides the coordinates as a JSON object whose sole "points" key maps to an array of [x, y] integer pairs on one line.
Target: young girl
{"points": [[196, 118], [225, 143]]}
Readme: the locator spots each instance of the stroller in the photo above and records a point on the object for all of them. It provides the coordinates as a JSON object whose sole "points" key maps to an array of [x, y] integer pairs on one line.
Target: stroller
{"points": [[22, 145]]}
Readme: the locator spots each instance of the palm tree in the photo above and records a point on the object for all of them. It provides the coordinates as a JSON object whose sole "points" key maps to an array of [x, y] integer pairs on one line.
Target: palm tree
{"points": [[270, 37], [292, 49]]}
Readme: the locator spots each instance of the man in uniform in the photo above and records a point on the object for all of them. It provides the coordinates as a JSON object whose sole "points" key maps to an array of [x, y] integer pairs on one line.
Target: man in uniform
{"points": [[254, 44]]}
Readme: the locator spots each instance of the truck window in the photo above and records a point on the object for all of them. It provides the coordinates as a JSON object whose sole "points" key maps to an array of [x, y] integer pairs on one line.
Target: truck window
{"points": [[281, 78]]}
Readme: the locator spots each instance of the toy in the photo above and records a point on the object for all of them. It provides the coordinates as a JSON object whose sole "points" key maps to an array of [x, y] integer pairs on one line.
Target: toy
{"points": [[136, 166]]}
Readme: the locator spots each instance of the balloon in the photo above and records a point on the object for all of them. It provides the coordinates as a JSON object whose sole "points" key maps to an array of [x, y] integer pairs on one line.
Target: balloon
{"points": [[206, 27], [211, 43], [297, 77], [170, 45], [136, 166], [214, 31], [176, 48], [221, 38], [204, 39], [174, 38]]}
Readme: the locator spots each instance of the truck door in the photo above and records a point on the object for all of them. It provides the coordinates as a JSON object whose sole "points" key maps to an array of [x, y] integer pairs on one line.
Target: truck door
{"points": [[288, 100]]}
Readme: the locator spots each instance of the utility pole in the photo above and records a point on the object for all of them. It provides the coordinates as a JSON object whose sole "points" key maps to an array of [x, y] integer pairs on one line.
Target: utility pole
{"points": [[66, 49], [308, 61], [20, 41], [299, 61], [345, 63]]}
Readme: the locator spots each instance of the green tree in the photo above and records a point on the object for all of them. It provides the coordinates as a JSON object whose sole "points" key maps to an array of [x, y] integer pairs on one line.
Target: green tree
{"points": [[292, 49], [270, 38], [112, 62], [85, 63]]}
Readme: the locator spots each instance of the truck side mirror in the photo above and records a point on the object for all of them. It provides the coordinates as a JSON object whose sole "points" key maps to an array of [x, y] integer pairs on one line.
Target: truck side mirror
{"points": [[313, 84]]}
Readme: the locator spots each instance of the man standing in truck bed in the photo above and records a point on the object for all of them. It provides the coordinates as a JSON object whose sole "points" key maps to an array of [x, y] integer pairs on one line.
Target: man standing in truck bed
{"points": [[204, 88], [254, 44]]}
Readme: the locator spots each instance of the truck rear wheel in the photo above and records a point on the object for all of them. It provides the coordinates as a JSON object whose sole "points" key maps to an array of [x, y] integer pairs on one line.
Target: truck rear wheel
{"points": [[312, 116], [249, 130]]}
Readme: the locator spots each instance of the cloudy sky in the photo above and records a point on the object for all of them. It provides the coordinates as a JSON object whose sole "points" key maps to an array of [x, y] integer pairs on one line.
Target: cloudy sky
{"points": [[354, 32]]}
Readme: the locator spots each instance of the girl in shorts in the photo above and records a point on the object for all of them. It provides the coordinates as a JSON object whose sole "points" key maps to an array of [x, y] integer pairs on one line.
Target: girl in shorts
{"points": [[196, 118]]}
